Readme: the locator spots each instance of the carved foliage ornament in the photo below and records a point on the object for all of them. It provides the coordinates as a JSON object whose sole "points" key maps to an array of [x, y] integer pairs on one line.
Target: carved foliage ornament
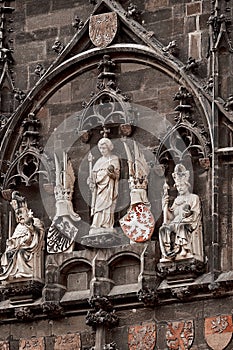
{"points": [[142, 337], [218, 331], [103, 313], [103, 29], [180, 335]]}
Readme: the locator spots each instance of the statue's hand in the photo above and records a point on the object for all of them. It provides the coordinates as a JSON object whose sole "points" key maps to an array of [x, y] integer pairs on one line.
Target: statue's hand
{"points": [[91, 183]]}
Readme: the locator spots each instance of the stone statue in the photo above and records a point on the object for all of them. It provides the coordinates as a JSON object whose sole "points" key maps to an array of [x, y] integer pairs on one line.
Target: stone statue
{"points": [[103, 182], [180, 236], [63, 231], [23, 255], [138, 224]]}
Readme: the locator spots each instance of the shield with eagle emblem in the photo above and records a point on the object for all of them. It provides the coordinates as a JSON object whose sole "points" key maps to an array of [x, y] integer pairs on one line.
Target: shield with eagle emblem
{"points": [[103, 28]]}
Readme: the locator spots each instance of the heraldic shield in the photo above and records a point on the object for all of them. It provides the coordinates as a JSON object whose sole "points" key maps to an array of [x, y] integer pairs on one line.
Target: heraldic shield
{"points": [[138, 224], [218, 331], [142, 337], [103, 28], [180, 335]]}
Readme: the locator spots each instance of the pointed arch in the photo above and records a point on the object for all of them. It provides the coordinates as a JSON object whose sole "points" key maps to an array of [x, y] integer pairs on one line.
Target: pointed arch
{"points": [[120, 53]]}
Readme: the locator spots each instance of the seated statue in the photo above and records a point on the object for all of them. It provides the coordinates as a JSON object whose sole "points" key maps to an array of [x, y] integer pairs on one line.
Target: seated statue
{"points": [[180, 236], [22, 256]]}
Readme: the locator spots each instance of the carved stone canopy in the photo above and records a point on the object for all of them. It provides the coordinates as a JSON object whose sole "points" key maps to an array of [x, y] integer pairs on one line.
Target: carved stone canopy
{"points": [[108, 105]]}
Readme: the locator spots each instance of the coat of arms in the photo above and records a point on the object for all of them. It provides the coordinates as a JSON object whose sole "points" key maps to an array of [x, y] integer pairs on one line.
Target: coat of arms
{"points": [[33, 343], [142, 337], [138, 224], [103, 28], [218, 331], [180, 335], [68, 342]]}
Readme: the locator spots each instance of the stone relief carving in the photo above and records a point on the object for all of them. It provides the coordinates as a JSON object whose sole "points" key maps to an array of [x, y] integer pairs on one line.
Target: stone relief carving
{"points": [[142, 337], [180, 335], [103, 28], [138, 223], [62, 232], [103, 182], [218, 331], [102, 313], [33, 343], [180, 236], [24, 314], [23, 255], [52, 308], [68, 342], [148, 296]]}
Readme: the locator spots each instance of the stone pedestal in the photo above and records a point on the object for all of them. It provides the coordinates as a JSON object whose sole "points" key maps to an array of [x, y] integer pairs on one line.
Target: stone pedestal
{"points": [[24, 291], [181, 271], [104, 239]]}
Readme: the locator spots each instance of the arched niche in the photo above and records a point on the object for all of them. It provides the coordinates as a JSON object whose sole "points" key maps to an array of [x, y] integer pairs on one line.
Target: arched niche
{"points": [[124, 271], [75, 276]]}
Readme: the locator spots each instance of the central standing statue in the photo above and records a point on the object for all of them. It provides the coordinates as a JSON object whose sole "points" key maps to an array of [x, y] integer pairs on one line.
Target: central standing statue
{"points": [[103, 182]]}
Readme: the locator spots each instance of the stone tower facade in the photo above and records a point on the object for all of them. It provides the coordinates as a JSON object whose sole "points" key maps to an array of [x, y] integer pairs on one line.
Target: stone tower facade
{"points": [[116, 174]]}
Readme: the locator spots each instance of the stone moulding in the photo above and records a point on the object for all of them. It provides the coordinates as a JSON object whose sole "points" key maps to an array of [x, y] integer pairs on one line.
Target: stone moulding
{"points": [[183, 270], [22, 290]]}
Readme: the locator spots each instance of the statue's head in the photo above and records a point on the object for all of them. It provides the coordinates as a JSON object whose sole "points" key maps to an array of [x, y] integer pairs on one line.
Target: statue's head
{"points": [[19, 205], [105, 146], [181, 176]]}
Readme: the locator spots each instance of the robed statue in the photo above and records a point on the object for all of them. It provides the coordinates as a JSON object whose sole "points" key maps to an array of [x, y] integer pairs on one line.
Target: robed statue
{"points": [[24, 247], [103, 182], [180, 236]]}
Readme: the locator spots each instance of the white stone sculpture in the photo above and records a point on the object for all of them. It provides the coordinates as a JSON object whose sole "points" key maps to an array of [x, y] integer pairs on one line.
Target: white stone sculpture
{"points": [[62, 232], [103, 182], [180, 236], [23, 255], [138, 223]]}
